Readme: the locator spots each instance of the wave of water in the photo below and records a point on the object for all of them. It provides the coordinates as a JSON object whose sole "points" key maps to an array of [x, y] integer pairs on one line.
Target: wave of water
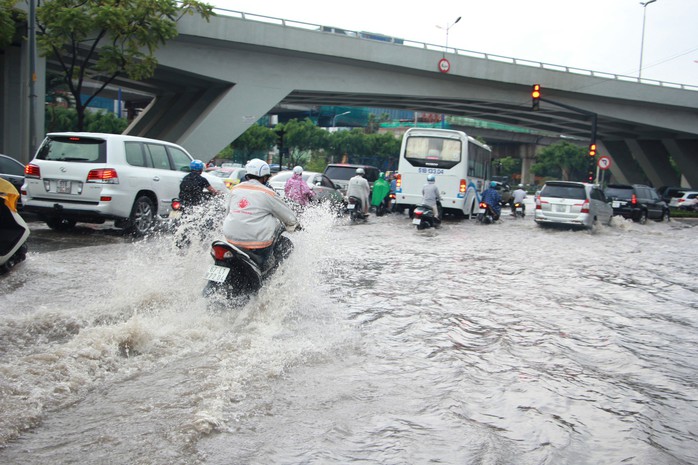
{"points": [[374, 343]]}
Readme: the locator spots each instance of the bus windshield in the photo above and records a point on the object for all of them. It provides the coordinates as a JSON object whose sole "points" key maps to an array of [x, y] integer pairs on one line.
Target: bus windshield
{"points": [[433, 152]]}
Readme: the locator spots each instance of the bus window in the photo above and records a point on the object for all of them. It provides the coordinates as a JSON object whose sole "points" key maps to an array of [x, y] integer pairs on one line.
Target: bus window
{"points": [[433, 152]]}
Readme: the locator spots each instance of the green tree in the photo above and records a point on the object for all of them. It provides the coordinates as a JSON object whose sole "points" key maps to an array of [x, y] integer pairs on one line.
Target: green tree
{"points": [[102, 39], [256, 142], [9, 18], [562, 160], [61, 119], [301, 138]]}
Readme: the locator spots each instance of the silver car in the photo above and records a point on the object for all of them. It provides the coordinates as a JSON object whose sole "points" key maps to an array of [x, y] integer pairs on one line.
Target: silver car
{"points": [[573, 204], [325, 190]]}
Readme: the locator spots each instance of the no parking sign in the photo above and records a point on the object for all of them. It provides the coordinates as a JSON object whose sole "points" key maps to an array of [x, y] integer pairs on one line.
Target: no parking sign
{"points": [[604, 163]]}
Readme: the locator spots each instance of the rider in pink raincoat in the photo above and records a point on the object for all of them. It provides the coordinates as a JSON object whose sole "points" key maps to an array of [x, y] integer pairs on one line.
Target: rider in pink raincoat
{"points": [[297, 190]]}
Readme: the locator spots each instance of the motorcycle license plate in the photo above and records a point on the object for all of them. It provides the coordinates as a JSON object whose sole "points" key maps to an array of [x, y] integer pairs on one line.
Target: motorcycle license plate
{"points": [[175, 214], [416, 221], [481, 211], [217, 273], [519, 209], [616, 204], [350, 206]]}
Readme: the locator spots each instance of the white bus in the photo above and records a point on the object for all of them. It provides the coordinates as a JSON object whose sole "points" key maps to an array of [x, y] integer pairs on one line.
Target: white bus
{"points": [[461, 164]]}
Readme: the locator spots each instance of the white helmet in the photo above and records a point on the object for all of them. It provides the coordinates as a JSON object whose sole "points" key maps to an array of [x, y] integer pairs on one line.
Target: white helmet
{"points": [[297, 170], [257, 168], [360, 171]]}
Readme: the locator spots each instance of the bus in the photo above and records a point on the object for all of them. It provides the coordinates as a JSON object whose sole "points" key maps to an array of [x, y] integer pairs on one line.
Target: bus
{"points": [[461, 165]]}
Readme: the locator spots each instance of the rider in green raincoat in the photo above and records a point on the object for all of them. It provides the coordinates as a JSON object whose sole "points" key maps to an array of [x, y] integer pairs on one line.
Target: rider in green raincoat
{"points": [[381, 188]]}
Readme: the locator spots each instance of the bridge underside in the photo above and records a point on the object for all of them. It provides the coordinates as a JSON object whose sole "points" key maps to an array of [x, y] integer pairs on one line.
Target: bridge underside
{"points": [[208, 90]]}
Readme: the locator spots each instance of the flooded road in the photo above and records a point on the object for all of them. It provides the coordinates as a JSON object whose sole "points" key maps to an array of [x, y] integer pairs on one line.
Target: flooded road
{"points": [[374, 343]]}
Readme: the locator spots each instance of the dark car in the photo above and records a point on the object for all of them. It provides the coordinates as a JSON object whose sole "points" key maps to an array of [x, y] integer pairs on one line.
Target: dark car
{"points": [[637, 202], [341, 173], [13, 171]]}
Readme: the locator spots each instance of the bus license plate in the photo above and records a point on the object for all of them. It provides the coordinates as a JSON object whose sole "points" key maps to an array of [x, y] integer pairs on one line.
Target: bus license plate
{"points": [[63, 186], [217, 273]]}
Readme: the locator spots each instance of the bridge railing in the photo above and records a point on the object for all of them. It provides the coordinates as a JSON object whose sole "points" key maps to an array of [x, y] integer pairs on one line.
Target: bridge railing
{"points": [[363, 35]]}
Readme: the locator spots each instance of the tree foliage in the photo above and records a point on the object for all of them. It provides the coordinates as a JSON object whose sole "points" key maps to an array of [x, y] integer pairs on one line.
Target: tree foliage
{"points": [[102, 39], [61, 119], [562, 161], [9, 17]]}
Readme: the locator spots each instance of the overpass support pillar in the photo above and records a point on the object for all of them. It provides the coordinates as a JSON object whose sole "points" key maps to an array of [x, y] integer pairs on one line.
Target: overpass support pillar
{"points": [[685, 154], [527, 153], [624, 168], [653, 158]]}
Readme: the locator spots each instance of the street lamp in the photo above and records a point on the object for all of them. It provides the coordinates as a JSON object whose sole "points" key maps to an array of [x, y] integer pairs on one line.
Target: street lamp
{"points": [[642, 43], [449, 26], [334, 120]]}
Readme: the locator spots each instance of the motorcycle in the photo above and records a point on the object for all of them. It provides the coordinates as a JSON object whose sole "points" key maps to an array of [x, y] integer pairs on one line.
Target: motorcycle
{"points": [[13, 229], [382, 207], [185, 221], [518, 209], [240, 273], [423, 217], [355, 209], [486, 214]]}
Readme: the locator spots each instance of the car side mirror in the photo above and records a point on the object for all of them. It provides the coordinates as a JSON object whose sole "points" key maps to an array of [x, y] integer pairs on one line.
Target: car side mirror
{"points": [[337, 186]]}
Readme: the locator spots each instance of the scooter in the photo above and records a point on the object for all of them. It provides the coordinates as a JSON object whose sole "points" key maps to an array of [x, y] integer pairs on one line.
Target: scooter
{"points": [[486, 214], [382, 207], [238, 273], [13, 229], [423, 217], [518, 209], [355, 209]]}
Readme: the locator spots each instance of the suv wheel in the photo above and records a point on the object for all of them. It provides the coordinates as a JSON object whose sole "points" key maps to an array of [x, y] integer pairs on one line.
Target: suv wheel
{"points": [[142, 216], [60, 224], [643, 217], [665, 216]]}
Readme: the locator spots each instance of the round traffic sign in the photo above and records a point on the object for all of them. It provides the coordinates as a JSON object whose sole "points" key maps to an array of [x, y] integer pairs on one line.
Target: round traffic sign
{"points": [[604, 163], [444, 65]]}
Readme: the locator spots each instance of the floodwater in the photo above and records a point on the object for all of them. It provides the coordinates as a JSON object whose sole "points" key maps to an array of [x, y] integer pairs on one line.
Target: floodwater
{"points": [[374, 343]]}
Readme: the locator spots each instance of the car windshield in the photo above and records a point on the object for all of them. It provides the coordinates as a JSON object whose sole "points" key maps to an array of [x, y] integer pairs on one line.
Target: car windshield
{"points": [[563, 191], [72, 148], [622, 193]]}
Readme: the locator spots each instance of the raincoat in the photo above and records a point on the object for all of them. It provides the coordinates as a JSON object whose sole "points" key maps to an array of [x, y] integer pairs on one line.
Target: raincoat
{"points": [[358, 187], [253, 214], [381, 188], [493, 198], [297, 190]]}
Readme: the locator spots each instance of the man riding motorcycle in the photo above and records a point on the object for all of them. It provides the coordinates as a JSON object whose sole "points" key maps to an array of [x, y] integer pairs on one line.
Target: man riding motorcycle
{"points": [[255, 215], [431, 195], [297, 190], [193, 184], [493, 198], [381, 189], [518, 197], [358, 187]]}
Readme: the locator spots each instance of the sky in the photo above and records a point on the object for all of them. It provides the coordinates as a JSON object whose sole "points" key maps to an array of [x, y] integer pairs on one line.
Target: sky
{"points": [[598, 35]]}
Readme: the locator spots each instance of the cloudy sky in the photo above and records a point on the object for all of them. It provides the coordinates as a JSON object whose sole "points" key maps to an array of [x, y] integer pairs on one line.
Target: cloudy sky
{"points": [[600, 35]]}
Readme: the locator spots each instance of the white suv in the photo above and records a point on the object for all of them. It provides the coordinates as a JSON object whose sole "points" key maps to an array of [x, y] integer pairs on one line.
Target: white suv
{"points": [[93, 177]]}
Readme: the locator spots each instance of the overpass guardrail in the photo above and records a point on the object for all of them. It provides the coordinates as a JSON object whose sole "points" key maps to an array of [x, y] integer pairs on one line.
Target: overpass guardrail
{"points": [[364, 35]]}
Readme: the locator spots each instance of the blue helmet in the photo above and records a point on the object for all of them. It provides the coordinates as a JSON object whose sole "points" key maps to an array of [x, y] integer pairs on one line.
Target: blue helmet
{"points": [[493, 183], [196, 165], [431, 178]]}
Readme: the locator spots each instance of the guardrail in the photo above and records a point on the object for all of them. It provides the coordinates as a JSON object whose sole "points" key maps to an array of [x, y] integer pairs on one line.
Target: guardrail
{"points": [[362, 35]]}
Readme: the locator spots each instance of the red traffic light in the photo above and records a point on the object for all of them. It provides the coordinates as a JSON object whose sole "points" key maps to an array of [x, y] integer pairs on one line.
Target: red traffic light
{"points": [[535, 97], [592, 150]]}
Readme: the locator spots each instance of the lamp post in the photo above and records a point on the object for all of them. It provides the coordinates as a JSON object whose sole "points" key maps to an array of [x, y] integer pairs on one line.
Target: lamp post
{"points": [[642, 42], [334, 120], [449, 26]]}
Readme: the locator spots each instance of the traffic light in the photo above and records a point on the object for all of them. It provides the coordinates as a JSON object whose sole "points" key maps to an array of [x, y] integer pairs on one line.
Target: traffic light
{"points": [[535, 97], [592, 162]]}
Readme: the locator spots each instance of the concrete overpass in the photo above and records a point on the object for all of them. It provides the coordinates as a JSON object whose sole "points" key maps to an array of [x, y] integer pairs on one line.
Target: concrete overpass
{"points": [[218, 78]]}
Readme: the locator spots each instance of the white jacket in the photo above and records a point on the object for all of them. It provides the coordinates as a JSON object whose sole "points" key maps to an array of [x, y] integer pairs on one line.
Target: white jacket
{"points": [[253, 214], [358, 187]]}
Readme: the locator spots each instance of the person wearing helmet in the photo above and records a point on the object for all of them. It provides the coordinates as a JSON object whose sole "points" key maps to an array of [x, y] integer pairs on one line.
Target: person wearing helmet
{"points": [[358, 187], [191, 189], [431, 196], [493, 198], [296, 188], [519, 196], [255, 216], [381, 189]]}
